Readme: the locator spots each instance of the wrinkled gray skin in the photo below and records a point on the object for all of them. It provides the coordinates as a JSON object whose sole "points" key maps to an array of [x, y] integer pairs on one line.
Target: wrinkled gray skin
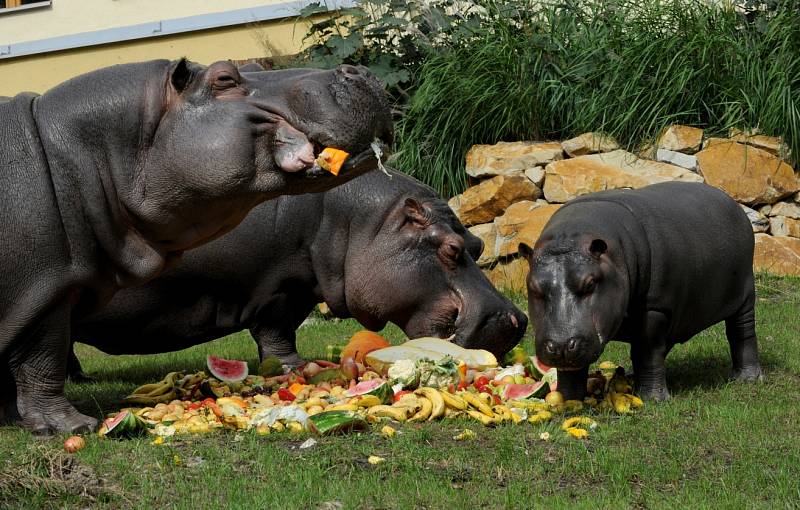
{"points": [[108, 178], [652, 267], [376, 249]]}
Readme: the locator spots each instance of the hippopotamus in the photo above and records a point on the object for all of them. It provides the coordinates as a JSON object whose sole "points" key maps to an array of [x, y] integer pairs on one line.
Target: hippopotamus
{"points": [[379, 249], [652, 267], [108, 178]]}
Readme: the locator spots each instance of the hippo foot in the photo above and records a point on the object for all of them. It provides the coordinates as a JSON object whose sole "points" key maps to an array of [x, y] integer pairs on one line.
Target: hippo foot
{"points": [[653, 393], [61, 417], [292, 360], [747, 374]]}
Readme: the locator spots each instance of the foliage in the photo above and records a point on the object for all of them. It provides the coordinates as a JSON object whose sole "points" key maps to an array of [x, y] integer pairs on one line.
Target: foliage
{"points": [[485, 71]]}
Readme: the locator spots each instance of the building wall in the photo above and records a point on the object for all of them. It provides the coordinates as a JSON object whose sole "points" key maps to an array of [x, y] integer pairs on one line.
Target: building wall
{"points": [[72, 18]]}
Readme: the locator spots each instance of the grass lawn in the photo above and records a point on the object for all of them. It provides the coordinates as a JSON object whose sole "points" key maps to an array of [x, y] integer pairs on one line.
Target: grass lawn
{"points": [[715, 444]]}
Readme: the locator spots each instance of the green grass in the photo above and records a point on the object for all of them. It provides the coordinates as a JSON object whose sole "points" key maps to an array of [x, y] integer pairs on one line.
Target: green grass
{"points": [[715, 444], [538, 70]]}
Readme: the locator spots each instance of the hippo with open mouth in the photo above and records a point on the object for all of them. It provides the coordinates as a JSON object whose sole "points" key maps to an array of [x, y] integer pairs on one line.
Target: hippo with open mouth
{"points": [[652, 267], [378, 249], [108, 178]]}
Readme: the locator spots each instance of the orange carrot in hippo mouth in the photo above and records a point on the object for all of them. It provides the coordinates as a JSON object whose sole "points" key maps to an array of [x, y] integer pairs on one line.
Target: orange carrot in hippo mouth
{"points": [[332, 160]]}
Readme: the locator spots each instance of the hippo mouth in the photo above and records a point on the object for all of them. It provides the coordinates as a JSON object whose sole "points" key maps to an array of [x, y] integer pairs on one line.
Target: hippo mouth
{"points": [[362, 162]]}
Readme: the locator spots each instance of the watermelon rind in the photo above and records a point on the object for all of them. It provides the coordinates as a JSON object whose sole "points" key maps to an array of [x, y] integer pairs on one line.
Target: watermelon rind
{"points": [[227, 370], [336, 422], [540, 368], [377, 387]]}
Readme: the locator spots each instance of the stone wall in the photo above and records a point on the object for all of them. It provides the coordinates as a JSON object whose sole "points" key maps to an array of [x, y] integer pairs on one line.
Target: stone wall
{"points": [[519, 185]]}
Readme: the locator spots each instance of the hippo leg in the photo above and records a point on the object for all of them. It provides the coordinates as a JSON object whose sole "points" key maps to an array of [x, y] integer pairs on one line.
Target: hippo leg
{"points": [[277, 340], [741, 332], [648, 355], [75, 371], [572, 383], [38, 365]]}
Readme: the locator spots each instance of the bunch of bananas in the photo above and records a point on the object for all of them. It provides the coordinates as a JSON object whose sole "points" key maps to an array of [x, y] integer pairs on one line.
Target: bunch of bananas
{"points": [[175, 385]]}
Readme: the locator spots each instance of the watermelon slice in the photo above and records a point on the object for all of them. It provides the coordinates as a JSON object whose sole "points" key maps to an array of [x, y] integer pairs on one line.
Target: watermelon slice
{"points": [[523, 391], [377, 387], [124, 424], [541, 368], [228, 370]]}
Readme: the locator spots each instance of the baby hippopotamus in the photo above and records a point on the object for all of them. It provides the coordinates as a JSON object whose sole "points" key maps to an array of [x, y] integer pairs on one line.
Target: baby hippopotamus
{"points": [[652, 267]]}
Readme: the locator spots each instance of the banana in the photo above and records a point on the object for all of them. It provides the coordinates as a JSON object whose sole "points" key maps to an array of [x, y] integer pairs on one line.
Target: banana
{"points": [[480, 417], [453, 401], [366, 401], [146, 389], [502, 412], [485, 398], [540, 417], [530, 406], [449, 412], [409, 400], [342, 407], [424, 413], [437, 401], [147, 400], [578, 420], [477, 403], [635, 401], [384, 411]]}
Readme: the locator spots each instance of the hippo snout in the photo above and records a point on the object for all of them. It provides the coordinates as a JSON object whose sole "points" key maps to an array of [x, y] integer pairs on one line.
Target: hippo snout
{"points": [[574, 352], [498, 332]]}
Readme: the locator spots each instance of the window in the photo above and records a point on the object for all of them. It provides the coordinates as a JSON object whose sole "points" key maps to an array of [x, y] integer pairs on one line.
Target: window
{"points": [[22, 4]]}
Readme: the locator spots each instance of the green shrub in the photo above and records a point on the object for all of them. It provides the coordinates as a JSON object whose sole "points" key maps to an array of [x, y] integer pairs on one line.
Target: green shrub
{"points": [[547, 70]]}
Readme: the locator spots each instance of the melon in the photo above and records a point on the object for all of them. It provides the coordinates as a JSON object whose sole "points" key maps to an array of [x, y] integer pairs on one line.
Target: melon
{"points": [[377, 387], [523, 391], [124, 424], [361, 344], [270, 366], [228, 370], [430, 348]]}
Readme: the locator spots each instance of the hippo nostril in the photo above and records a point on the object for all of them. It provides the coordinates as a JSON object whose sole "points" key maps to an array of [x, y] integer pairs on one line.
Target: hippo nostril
{"points": [[572, 345], [514, 320], [550, 347]]}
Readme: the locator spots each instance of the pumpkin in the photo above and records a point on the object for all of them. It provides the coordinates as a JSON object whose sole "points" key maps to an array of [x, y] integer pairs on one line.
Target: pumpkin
{"points": [[363, 343], [332, 160]]}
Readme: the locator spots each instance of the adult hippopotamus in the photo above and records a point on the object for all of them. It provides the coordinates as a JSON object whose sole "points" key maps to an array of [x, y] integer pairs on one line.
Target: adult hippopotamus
{"points": [[652, 267], [378, 249], [109, 177]]}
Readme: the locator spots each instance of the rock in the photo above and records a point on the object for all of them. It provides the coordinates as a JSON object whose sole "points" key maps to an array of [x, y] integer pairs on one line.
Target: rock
{"points": [[765, 209], [777, 255], [536, 175], [510, 158], [748, 174], [487, 232], [574, 177], [796, 197], [710, 142], [680, 159], [759, 222], [681, 138], [522, 222], [589, 143], [783, 226], [481, 203], [510, 275], [788, 209], [772, 144]]}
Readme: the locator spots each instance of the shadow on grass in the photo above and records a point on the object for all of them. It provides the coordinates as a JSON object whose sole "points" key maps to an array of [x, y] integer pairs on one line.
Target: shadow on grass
{"points": [[710, 371]]}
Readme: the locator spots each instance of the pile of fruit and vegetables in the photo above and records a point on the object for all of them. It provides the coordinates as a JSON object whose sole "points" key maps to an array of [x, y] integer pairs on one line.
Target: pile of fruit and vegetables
{"points": [[368, 383]]}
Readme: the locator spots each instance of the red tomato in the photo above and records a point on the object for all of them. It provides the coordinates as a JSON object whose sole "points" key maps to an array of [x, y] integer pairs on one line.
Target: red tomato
{"points": [[194, 405], [285, 394], [462, 385], [483, 389], [497, 400], [481, 381]]}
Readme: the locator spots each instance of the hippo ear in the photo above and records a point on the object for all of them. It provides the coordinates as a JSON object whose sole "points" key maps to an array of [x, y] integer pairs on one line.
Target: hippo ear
{"points": [[597, 247], [525, 250], [180, 76], [416, 213]]}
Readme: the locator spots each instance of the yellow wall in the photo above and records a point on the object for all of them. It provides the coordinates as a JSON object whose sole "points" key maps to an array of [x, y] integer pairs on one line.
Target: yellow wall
{"points": [[37, 73], [67, 17]]}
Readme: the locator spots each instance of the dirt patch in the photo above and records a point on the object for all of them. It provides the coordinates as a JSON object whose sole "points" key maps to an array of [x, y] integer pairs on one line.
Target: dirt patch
{"points": [[56, 474]]}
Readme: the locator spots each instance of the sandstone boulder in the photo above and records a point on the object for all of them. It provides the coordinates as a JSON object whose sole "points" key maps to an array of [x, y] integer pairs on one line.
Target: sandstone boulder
{"points": [[680, 159], [487, 232], [574, 177], [589, 143], [777, 255], [536, 175], [481, 203], [510, 158], [758, 221], [788, 209], [681, 138], [748, 174], [510, 275], [522, 222], [784, 226], [772, 144]]}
